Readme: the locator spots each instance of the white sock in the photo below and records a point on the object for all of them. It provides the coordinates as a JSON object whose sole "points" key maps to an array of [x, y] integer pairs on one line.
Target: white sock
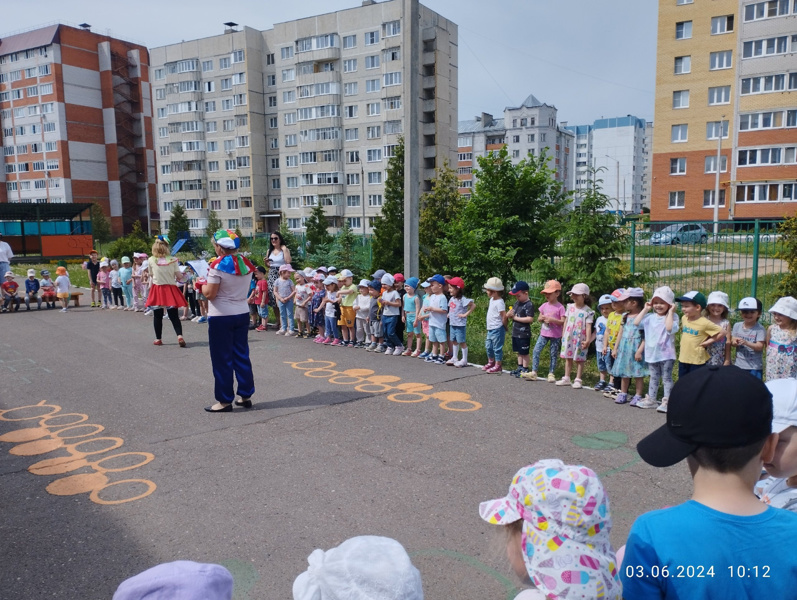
{"points": [[465, 354], [456, 351]]}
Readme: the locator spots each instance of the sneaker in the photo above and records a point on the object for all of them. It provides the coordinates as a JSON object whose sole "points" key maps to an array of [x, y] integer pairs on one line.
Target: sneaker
{"points": [[327, 341], [336, 342], [93, 304], [530, 376], [451, 362], [610, 391], [398, 351], [389, 350], [431, 358], [647, 403], [280, 332], [621, 398], [461, 363], [551, 378], [202, 320], [319, 339], [448, 356], [601, 385], [424, 355], [577, 384], [636, 400], [440, 360], [260, 328], [63, 310], [663, 406], [515, 372], [563, 381], [415, 354], [371, 347], [520, 372], [408, 352], [291, 334], [379, 349]]}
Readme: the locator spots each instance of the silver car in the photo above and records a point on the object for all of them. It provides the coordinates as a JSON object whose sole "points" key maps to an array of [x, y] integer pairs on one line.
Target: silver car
{"points": [[680, 233]]}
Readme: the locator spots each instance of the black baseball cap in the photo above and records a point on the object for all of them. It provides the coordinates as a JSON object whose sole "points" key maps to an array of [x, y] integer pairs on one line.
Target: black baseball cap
{"points": [[520, 286], [714, 407]]}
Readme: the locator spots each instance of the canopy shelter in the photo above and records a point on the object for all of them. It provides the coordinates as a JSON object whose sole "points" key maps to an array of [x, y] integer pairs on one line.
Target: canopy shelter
{"points": [[47, 230]]}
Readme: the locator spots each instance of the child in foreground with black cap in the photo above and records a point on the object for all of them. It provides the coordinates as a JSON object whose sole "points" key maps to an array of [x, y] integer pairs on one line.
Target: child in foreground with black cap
{"points": [[723, 543]]}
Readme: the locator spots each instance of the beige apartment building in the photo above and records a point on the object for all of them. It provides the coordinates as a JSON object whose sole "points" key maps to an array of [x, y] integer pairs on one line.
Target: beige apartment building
{"points": [[261, 125]]}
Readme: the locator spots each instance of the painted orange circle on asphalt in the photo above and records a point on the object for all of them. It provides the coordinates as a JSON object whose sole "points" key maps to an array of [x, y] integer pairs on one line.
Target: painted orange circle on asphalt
{"points": [[77, 484]]}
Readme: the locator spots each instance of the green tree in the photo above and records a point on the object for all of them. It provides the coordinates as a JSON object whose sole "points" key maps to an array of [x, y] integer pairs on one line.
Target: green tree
{"points": [[100, 225], [787, 285], [178, 223], [510, 220], [317, 229], [344, 249], [136, 241], [214, 224], [439, 208], [388, 237]]}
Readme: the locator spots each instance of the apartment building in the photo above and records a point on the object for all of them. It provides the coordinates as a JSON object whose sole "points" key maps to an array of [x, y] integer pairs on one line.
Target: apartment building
{"points": [[527, 129], [303, 114], [75, 113], [613, 151], [726, 85]]}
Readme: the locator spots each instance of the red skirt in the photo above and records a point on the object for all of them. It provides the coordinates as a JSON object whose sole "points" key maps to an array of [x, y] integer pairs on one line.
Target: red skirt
{"points": [[165, 296]]}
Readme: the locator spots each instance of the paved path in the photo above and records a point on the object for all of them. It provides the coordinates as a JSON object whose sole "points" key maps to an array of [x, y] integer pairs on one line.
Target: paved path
{"points": [[113, 466]]}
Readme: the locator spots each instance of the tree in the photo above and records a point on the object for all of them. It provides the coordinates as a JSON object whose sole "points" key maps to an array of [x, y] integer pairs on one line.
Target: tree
{"points": [[136, 241], [178, 223], [344, 250], [510, 220], [100, 225], [214, 224], [787, 285], [317, 228], [388, 238], [439, 207]]}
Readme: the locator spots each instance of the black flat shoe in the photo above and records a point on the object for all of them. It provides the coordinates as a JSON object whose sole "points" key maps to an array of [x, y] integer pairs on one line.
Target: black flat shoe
{"points": [[224, 408], [245, 402]]}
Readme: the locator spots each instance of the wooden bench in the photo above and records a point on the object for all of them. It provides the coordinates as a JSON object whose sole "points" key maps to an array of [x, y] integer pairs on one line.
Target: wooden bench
{"points": [[75, 296]]}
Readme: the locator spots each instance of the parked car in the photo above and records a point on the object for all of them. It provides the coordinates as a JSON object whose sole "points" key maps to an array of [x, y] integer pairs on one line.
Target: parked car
{"points": [[687, 233]]}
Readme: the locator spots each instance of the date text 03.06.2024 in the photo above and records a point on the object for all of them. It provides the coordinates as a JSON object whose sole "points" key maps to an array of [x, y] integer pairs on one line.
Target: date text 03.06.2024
{"points": [[674, 571]]}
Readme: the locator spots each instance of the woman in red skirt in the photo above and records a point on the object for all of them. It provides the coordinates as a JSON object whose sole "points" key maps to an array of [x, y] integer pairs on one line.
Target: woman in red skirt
{"points": [[164, 271]]}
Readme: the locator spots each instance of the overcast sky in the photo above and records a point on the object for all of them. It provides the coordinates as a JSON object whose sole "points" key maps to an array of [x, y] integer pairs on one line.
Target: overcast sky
{"points": [[589, 58]]}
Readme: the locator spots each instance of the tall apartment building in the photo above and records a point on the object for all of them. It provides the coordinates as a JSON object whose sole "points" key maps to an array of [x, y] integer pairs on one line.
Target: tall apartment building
{"points": [[726, 82], [527, 129], [272, 123], [647, 178], [613, 150], [75, 113]]}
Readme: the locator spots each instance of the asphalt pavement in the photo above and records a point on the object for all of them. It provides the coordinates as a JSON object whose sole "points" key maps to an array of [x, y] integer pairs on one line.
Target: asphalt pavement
{"points": [[109, 464]]}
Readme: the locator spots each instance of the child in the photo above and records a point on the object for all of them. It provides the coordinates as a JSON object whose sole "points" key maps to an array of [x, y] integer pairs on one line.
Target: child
{"points": [[48, 289], [697, 333], [748, 337], [717, 307], [398, 285], [284, 290], [659, 327], [62, 285], [104, 283], [577, 334], [260, 297], [557, 522], [391, 311], [438, 315], [411, 316], [613, 324], [723, 543], [522, 316], [9, 288], [190, 293], [201, 300], [126, 277], [782, 340], [348, 294], [316, 317], [330, 312], [552, 317], [496, 326], [629, 351], [375, 317], [32, 290], [138, 288], [424, 318], [116, 286], [303, 298], [775, 489], [605, 308], [362, 306], [93, 267], [459, 309]]}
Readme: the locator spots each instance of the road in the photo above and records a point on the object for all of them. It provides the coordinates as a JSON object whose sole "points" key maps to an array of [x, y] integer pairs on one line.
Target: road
{"points": [[109, 465]]}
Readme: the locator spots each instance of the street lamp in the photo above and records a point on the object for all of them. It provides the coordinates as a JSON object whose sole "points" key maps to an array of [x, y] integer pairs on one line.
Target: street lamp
{"points": [[617, 192]]}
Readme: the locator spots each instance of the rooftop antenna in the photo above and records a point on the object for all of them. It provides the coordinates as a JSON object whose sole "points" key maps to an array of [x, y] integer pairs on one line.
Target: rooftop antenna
{"points": [[231, 27], [85, 26]]}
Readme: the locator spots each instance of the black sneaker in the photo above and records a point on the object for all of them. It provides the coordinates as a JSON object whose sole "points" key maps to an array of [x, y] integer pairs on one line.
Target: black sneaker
{"points": [[600, 387], [515, 372], [520, 372]]}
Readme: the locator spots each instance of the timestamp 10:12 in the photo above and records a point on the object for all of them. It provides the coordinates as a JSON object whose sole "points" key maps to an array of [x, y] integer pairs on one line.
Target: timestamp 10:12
{"points": [[742, 572]]}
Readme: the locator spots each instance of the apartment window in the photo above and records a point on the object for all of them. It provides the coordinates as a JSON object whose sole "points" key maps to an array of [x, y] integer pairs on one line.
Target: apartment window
{"points": [[352, 135], [374, 132], [393, 127], [680, 2], [294, 223], [290, 118], [213, 166], [374, 199], [713, 129], [32, 91], [353, 201], [677, 166], [239, 100], [163, 132], [372, 62], [50, 146], [166, 169], [683, 64], [350, 65], [680, 99], [391, 54], [677, 199], [290, 140], [719, 25], [373, 109], [288, 74], [308, 158], [374, 155], [286, 52], [371, 38], [160, 74], [242, 162], [721, 60], [274, 143], [392, 78], [288, 97], [229, 146], [210, 106], [708, 198], [372, 85], [37, 166], [393, 103], [231, 185], [683, 30], [767, 120], [391, 28], [229, 165], [215, 186], [233, 224], [350, 89], [46, 89], [353, 179], [719, 95], [757, 193], [374, 177], [224, 63], [275, 183], [349, 41], [353, 156], [207, 65], [292, 182], [292, 161], [350, 112], [765, 47], [239, 79], [679, 133], [294, 202], [271, 80], [766, 10], [44, 70], [273, 124], [465, 156], [767, 84], [52, 164], [711, 164]]}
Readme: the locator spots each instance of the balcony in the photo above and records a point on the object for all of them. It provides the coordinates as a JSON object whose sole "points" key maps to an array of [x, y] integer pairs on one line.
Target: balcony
{"points": [[429, 82], [429, 105], [429, 151], [429, 129], [324, 54], [334, 210], [428, 58]]}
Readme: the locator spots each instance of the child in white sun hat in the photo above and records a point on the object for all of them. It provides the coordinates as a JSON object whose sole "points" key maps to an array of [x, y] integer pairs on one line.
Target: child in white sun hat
{"points": [[558, 522], [577, 333], [748, 337], [781, 340], [718, 306], [782, 469]]}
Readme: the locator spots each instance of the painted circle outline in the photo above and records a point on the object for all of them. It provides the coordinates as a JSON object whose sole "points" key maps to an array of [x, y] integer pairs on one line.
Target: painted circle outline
{"points": [[95, 494]]}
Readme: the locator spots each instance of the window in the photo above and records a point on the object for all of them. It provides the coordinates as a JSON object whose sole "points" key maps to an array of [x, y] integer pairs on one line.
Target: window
{"points": [[288, 97], [713, 129], [292, 182], [210, 106], [353, 201], [392, 78], [680, 99], [294, 203], [350, 112], [683, 30], [50, 146], [231, 185], [371, 38], [719, 95], [372, 85], [224, 63], [350, 89], [766, 84], [290, 140], [765, 10], [44, 70], [391, 54], [239, 79], [393, 127], [46, 89], [290, 118], [242, 162], [374, 199], [708, 198], [288, 74], [679, 133], [275, 183], [32, 91], [353, 156], [393, 103], [757, 193], [373, 109], [271, 80], [683, 64], [272, 101], [765, 47], [374, 155], [294, 223], [677, 199], [307, 158], [719, 25], [286, 52], [350, 41], [766, 120], [229, 165], [353, 179], [207, 65], [374, 132], [372, 62], [233, 224], [721, 60], [274, 143], [711, 164], [213, 166], [352, 135], [226, 84], [391, 28], [292, 161], [677, 166], [374, 177]]}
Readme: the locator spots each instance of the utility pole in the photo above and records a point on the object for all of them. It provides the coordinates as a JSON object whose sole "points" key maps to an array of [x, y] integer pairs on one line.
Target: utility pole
{"points": [[717, 180]]}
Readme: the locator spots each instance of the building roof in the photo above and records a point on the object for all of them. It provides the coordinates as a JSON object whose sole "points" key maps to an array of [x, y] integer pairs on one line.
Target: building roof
{"points": [[23, 211], [530, 102], [612, 123], [29, 39], [475, 126]]}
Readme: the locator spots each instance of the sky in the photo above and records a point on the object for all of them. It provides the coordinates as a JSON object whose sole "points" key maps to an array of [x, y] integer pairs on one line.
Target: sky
{"points": [[589, 58]]}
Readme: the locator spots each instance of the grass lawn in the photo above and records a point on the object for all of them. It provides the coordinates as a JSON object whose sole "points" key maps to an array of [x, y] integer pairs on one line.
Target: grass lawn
{"points": [[77, 275]]}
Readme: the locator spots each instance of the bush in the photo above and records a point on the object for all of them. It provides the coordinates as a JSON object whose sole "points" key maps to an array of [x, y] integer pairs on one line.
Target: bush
{"points": [[787, 286]]}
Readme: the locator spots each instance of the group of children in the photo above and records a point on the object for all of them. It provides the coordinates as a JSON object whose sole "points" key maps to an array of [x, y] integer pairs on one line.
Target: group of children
{"points": [[46, 290]]}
